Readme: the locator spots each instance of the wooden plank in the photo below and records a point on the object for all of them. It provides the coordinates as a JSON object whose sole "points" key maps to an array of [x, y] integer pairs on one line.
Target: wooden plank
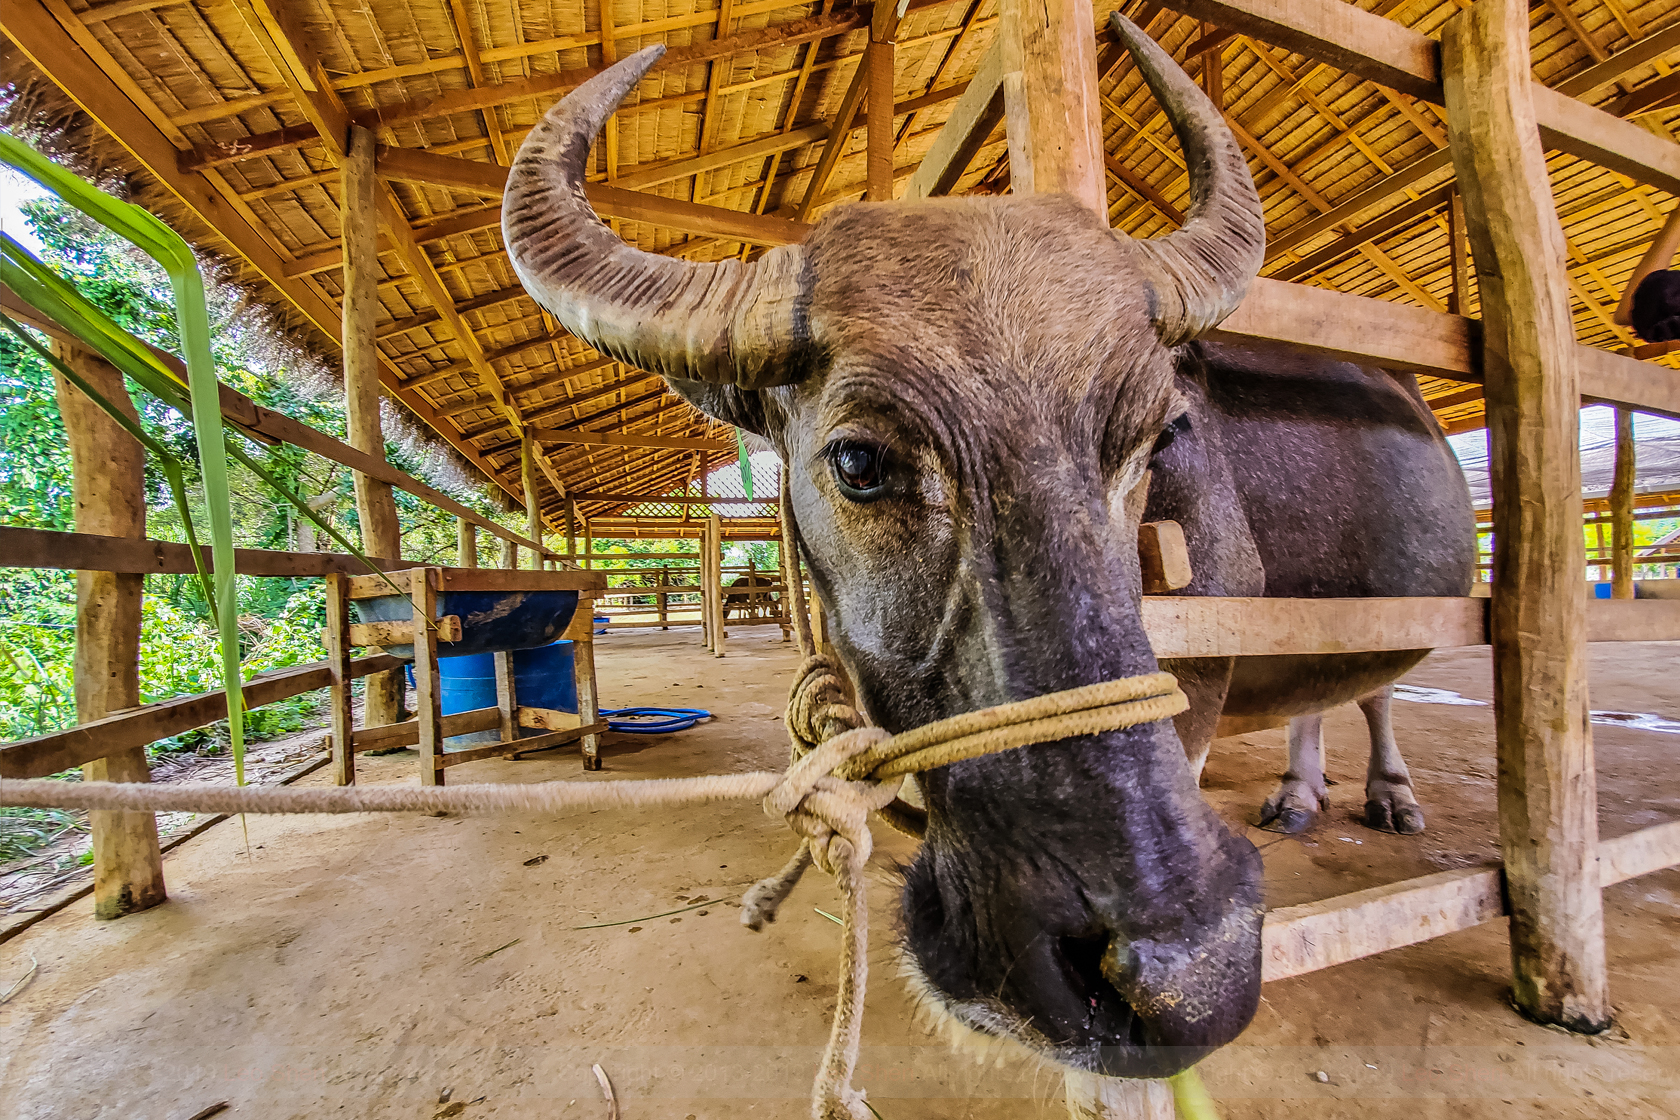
{"points": [[548, 719], [973, 119], [1591, 134], [1352, 328], [1548, 812], [46, 548], [407, 732], [48, 754], [1315, 935], [498, 579], [1396, 336], [1348, 38], [1633, 620], [448, 629], [524, 746], [1306, 938], [1193, 626], [1051, 103]]}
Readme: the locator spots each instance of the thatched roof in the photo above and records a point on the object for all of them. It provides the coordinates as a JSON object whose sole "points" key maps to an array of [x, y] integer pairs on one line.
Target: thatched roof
{"points": [[1352, 174]]}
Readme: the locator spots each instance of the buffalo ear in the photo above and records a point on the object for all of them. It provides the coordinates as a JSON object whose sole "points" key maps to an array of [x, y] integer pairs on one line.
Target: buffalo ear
{"points": [[741, 408]]}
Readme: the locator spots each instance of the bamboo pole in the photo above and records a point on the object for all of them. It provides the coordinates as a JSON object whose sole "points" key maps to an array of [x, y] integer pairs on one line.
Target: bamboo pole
{"points": [[1621, 509], [109, 469], [1548, 812], [375, 507]]}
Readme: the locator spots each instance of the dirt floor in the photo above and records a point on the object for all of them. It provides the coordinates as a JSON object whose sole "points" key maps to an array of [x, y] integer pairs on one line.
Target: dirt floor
{"points": [[423, 967]]}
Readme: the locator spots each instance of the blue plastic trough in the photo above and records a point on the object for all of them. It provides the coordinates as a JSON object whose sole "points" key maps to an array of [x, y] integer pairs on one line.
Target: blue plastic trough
{"points": [[491, 621], [542, 678]]}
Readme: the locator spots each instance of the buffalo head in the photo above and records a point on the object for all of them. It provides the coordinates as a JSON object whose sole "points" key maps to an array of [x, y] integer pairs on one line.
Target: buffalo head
{"points": [[966, 394]]}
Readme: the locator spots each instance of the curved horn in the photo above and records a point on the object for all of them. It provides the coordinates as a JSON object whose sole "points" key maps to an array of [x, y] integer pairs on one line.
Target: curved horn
{"points": [[1201, 272], [726, 323]]}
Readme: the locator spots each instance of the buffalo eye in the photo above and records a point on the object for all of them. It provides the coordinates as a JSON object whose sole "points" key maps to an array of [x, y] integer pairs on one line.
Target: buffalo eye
{"points": [[859, 468], [1170, 433]]}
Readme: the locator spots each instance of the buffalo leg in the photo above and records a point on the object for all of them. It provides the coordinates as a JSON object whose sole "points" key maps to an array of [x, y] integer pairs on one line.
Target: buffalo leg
{"points": [[1301, 794], [1205, 682], [1390, 805]]}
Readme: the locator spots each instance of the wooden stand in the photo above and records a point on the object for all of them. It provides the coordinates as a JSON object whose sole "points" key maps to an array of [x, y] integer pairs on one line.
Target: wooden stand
{"points": [[432, 635]]}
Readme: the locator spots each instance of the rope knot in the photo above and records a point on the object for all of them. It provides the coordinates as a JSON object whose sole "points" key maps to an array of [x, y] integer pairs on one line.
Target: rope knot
{"points": [[824, 802]]}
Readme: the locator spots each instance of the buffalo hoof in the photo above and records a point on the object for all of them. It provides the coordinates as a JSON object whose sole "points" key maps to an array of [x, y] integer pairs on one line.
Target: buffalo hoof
{"points": [[1293, 808], [1393, 809]]}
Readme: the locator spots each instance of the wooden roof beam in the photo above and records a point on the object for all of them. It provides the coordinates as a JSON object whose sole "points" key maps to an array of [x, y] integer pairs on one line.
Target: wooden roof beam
{"points": [[129, 117], [975, 117], [1378, 49], [608, 201], [286, 43], [626, 439]]}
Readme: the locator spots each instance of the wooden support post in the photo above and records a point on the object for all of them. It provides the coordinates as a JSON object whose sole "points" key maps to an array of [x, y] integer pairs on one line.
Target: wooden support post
{"points": [[1458, 296], [533, 510], [109, 485], [1621, 509], [428, 706], [1548, 812], [466, 543], [507, 697], [1050, 94], [338, 664], [703, 577], [664, 598], [571, 530], [879, 57], [375, 507], [583, 671], [714, 556], [510, 554]]}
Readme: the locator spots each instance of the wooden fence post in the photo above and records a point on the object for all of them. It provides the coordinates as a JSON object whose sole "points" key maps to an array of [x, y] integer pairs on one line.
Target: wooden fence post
{"points": [[109, 484], [1621, 509], [428, 703], [1548, 812], [714, 557], [533, 511], [375, 507], [338, 663]]}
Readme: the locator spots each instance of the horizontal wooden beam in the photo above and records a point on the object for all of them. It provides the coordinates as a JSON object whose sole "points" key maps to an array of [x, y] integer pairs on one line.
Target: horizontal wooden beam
{"points": [[663, 499], [412, 165], [44, 548], [1381, 50], [408, 731], [626, 439], [1397, 336], [1316, 935], [1374, 230], [58, 751]]}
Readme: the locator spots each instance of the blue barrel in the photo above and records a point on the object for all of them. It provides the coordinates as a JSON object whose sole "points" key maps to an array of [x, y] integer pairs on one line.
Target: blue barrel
{"points": [[490, 620], [542, 678]]}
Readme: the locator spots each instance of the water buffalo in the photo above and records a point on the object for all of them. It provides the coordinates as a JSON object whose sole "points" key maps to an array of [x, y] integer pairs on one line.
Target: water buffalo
{"points": [[977, 400], [752, 600]]}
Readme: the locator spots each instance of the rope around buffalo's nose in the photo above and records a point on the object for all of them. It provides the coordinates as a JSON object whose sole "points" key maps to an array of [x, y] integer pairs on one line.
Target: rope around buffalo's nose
{"points": [[841, 772]]}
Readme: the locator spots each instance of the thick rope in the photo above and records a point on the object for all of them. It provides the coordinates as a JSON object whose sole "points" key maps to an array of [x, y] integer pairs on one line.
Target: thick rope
{"points": [[841, 772]]}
